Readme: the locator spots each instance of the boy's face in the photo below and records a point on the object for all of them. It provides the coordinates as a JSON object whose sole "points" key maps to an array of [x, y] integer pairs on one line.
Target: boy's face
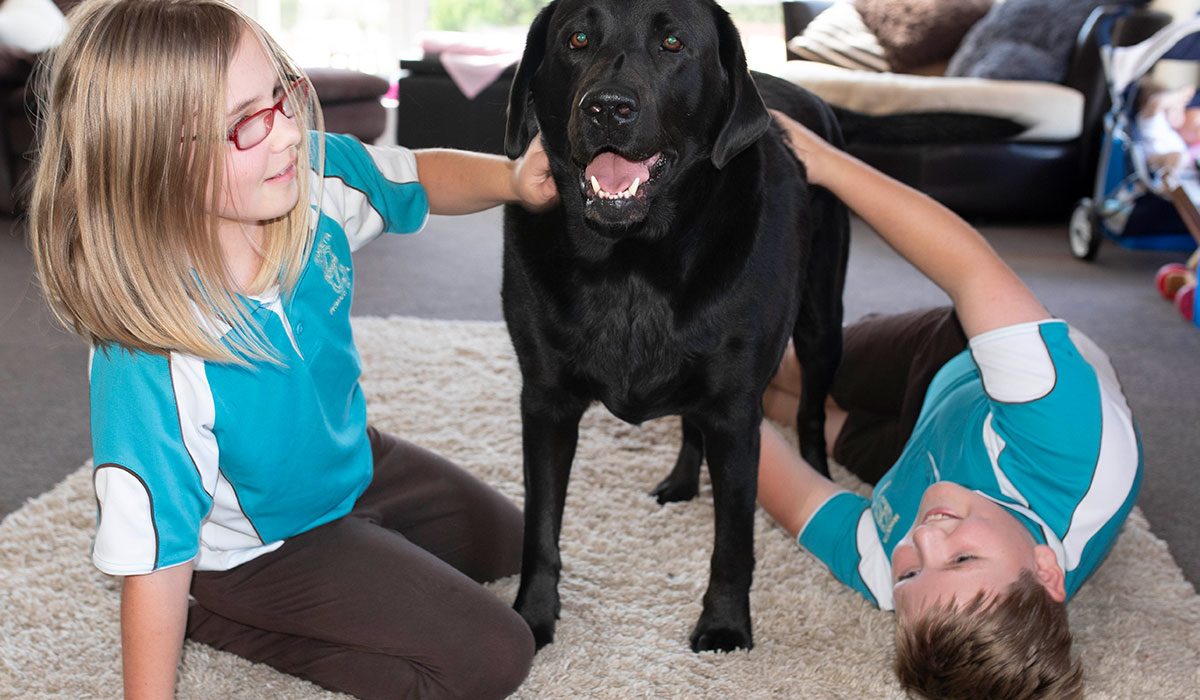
{"points": [[260, 182], [962, 544]]}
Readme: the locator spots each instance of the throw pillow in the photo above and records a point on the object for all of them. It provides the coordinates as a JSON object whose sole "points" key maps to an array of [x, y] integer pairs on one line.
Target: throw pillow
{"points": [[916, 33], [1022, 40], [838, 36]]}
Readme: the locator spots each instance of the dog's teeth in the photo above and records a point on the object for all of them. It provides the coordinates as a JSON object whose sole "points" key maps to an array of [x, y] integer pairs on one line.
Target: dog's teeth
{"points": [[604, 194]]}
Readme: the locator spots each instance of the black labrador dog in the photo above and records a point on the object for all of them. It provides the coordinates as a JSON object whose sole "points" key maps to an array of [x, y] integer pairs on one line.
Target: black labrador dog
{"points": [[685, 252]]}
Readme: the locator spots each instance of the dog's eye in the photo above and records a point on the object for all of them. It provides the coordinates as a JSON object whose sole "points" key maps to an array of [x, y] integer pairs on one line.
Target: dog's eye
{"points": [[672, 43], [578, 40]]}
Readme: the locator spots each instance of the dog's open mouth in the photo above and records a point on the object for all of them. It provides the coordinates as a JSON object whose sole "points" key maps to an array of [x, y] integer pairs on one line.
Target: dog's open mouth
{"points": [[610, 176], [616, 187]]}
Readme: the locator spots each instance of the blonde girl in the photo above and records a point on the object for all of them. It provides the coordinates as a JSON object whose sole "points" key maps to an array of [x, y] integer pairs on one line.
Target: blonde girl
{"points": [[192, 222]]}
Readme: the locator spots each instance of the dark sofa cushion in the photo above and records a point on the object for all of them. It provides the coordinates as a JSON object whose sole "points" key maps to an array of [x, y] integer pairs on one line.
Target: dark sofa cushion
{"points": [[1022, 40], [917, 33], [15, 66], [342, 85]]}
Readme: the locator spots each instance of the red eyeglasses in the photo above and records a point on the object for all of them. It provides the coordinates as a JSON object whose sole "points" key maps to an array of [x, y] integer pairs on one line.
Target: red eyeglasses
{"points": [[252, 130]]}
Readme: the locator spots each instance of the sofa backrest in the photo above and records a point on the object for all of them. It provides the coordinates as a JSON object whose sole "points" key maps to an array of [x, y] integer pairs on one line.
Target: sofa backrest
{"points": [[1084, 73]]}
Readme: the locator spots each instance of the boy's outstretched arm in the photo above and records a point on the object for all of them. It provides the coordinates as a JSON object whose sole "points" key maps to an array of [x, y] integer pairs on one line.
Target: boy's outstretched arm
{"points": [[986, 293], [463, 182], [789, 490]]}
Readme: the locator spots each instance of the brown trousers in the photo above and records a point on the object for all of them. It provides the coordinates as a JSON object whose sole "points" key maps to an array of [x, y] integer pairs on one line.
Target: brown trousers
{"points": [[887, 365], [384, 602]]}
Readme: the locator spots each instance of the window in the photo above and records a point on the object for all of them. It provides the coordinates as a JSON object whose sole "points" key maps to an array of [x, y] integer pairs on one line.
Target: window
{"points": [[365, 35], [370, 35]]}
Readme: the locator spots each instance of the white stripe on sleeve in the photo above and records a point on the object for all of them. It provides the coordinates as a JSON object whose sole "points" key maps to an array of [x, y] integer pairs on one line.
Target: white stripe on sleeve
{"points": [[126, 531], [873, 566], [1014, 369], [361, 221]]}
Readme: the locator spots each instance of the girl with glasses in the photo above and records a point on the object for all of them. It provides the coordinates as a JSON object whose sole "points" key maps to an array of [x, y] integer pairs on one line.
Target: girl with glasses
{"points": [[191, 220]]}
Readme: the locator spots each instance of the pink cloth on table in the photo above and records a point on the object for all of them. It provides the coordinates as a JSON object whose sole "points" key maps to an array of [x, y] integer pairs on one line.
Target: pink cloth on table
{"points": [[473, 61]]}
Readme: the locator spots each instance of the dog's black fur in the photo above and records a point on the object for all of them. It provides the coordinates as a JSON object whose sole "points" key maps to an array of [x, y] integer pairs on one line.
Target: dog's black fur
{"points": [[680, 299]]}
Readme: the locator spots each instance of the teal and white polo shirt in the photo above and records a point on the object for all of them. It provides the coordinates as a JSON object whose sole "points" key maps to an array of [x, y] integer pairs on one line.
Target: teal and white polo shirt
{"points": [[216, 463], [1030, 416]]}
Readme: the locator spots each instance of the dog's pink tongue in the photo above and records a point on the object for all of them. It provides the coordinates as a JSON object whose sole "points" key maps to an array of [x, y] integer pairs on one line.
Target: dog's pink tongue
{"points": [[615, 174]]}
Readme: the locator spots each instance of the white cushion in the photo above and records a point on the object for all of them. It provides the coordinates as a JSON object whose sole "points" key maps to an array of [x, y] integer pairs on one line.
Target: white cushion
{"points": [[31, 25], [837, 36], [1050, 112]]}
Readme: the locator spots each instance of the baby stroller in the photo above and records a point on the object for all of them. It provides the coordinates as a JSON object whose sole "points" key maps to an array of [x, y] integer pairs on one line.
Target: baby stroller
{"points": [[1130, 203]]}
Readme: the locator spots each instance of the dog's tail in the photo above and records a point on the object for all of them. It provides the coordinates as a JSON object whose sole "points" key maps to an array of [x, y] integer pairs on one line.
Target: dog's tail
{"points": [[924, 127]]}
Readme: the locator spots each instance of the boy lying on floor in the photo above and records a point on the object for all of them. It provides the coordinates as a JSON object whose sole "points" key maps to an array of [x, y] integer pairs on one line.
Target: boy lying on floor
{"points": [[1003, 453]]}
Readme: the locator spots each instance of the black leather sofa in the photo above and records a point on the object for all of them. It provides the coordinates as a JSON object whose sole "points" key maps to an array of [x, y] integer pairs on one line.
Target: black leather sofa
{"points": [[434, 113], [1006, 179]]}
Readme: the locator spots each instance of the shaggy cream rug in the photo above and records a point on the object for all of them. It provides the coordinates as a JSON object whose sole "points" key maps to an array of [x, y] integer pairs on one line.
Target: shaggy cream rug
{"points": [[633, 573]]}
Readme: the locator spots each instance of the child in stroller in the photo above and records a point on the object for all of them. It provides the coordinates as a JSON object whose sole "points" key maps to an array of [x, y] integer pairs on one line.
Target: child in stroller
{"points": [[1147, 188]]}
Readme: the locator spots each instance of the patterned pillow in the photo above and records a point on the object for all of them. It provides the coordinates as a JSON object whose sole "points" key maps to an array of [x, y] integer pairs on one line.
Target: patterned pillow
{"points": [[917, 33], [838, 36]]}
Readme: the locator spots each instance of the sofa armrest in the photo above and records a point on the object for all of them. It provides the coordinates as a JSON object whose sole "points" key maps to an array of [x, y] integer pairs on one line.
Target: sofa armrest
{"points": [[796, 16]]}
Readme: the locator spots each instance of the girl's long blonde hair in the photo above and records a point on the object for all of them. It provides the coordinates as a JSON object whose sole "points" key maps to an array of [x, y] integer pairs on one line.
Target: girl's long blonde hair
{"points": [[132, 142]]}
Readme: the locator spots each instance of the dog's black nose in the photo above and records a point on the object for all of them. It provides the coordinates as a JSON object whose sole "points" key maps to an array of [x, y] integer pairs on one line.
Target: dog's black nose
{"points": [[609, 106]]}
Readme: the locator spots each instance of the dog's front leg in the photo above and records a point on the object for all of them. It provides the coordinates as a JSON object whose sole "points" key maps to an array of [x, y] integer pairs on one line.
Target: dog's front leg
{"points": [[731, 444], [549, 433]]}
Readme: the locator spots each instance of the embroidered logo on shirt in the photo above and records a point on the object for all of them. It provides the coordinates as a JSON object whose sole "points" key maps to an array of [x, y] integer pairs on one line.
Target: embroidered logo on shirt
{"points": [[336, 275], [885, 517]]}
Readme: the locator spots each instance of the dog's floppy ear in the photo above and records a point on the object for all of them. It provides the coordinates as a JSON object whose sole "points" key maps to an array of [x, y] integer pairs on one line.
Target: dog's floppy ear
{"points": [[746, 117], [519, 128]]}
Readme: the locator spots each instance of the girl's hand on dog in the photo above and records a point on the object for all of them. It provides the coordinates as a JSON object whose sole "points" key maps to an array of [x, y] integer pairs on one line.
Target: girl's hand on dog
{"points": [[809, 148], [532, 179]]}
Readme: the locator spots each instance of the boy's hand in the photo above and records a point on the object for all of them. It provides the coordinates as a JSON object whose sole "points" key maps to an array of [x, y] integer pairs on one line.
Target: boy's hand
{"points": [[807, 146], [532, 180]]}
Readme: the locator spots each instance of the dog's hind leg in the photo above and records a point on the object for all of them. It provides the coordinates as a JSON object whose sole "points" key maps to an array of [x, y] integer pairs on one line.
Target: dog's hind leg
{"points": [[731, 443], [549, 434], [819, 353], [683, 483]]}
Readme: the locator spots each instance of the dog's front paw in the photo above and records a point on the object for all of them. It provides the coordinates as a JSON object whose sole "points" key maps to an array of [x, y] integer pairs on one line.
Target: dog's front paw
{"points": [[717, 637], [540, 612], [543, 630]]}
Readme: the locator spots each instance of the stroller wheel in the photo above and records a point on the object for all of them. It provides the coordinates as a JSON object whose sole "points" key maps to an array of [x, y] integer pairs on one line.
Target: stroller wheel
{"points": [[1084, 232]]}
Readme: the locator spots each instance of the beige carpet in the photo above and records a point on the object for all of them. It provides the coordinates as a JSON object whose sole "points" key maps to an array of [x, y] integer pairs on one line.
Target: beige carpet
{"points": [[633, 572]]}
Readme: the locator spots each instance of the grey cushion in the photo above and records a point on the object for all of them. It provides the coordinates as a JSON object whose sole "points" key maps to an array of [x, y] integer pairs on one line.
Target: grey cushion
{"points": [[1022, 40]]}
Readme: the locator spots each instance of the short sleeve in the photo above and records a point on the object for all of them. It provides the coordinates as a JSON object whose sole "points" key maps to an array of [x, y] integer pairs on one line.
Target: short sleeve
{"points": [[1044, 438], [1062, 441], [842, 534], [371, 190], [151, 499]]}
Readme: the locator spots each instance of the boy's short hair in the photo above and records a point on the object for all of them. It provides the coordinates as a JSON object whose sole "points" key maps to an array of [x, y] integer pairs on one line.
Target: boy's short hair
{"points": [[1017, 645]]}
